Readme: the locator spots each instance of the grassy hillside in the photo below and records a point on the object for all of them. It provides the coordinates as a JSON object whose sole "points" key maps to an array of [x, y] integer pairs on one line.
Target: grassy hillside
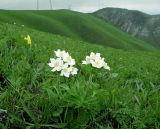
{"points": [[75, 25], [31, 96]]}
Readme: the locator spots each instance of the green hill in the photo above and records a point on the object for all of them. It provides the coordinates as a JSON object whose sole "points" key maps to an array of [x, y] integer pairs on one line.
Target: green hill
{"points": [[75, 25], [31, 96]]}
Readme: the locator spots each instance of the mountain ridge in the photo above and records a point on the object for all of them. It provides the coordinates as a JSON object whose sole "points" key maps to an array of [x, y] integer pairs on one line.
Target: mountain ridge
{"points": [[136, 23]]}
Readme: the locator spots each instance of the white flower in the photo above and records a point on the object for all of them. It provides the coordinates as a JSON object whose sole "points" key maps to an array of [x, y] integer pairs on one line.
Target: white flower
{"points": [[64, 63], [74, 70], [60, 53], [98, 63], [71, 62], [87, 61], [68, 59], [95, 56], [105, 66], [65, 70], [56, 64]]}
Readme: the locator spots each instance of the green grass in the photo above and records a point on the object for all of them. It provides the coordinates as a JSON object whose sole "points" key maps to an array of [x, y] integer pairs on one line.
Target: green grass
{"points": [[31, 96], [75, 25]]}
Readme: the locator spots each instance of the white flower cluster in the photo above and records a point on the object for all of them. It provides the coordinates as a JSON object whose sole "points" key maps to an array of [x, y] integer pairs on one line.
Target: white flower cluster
{"points": [[96, 61], [64, 63]]}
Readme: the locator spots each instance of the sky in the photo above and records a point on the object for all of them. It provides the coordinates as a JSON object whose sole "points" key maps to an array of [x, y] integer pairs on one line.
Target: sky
{"points": [[147, 6]]}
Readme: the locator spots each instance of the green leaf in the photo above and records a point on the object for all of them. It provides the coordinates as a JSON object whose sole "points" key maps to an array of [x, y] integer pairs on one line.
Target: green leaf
{"points": [[30, 127], [58, 112], [64, 86], [52, 96], [2, 110], [30, 114], [113, 75], [58, 126]]}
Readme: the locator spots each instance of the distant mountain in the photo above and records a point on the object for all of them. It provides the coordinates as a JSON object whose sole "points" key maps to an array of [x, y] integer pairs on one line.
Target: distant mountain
{"points": [[136, 23]]}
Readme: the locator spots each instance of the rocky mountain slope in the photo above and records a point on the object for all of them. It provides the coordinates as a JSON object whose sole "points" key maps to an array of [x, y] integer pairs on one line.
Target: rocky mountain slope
{"points": [[136, 23]]}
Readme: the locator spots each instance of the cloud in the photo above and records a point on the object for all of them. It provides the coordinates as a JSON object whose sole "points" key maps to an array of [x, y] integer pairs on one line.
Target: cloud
{"points": [[148, 6]]}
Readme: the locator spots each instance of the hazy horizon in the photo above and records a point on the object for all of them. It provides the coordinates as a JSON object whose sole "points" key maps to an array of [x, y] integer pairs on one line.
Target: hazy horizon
{"points": [[150, 6]]}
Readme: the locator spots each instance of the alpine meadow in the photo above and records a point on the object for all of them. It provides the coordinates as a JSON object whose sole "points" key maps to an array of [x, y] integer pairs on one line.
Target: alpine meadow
{"points": [[62, 69]]}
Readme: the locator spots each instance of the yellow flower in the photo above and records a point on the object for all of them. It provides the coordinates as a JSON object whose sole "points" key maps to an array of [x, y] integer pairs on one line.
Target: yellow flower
{"points": [[28, 39]]}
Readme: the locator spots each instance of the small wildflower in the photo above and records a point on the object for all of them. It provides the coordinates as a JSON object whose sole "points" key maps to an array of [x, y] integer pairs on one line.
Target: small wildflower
{"points": [[28, 40], [106, 66], [63, 63], [68, 59], [66, 70], [59, 53], [56, 64], [94, 56], [74, 70], [87, 61], [96, 61]]}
